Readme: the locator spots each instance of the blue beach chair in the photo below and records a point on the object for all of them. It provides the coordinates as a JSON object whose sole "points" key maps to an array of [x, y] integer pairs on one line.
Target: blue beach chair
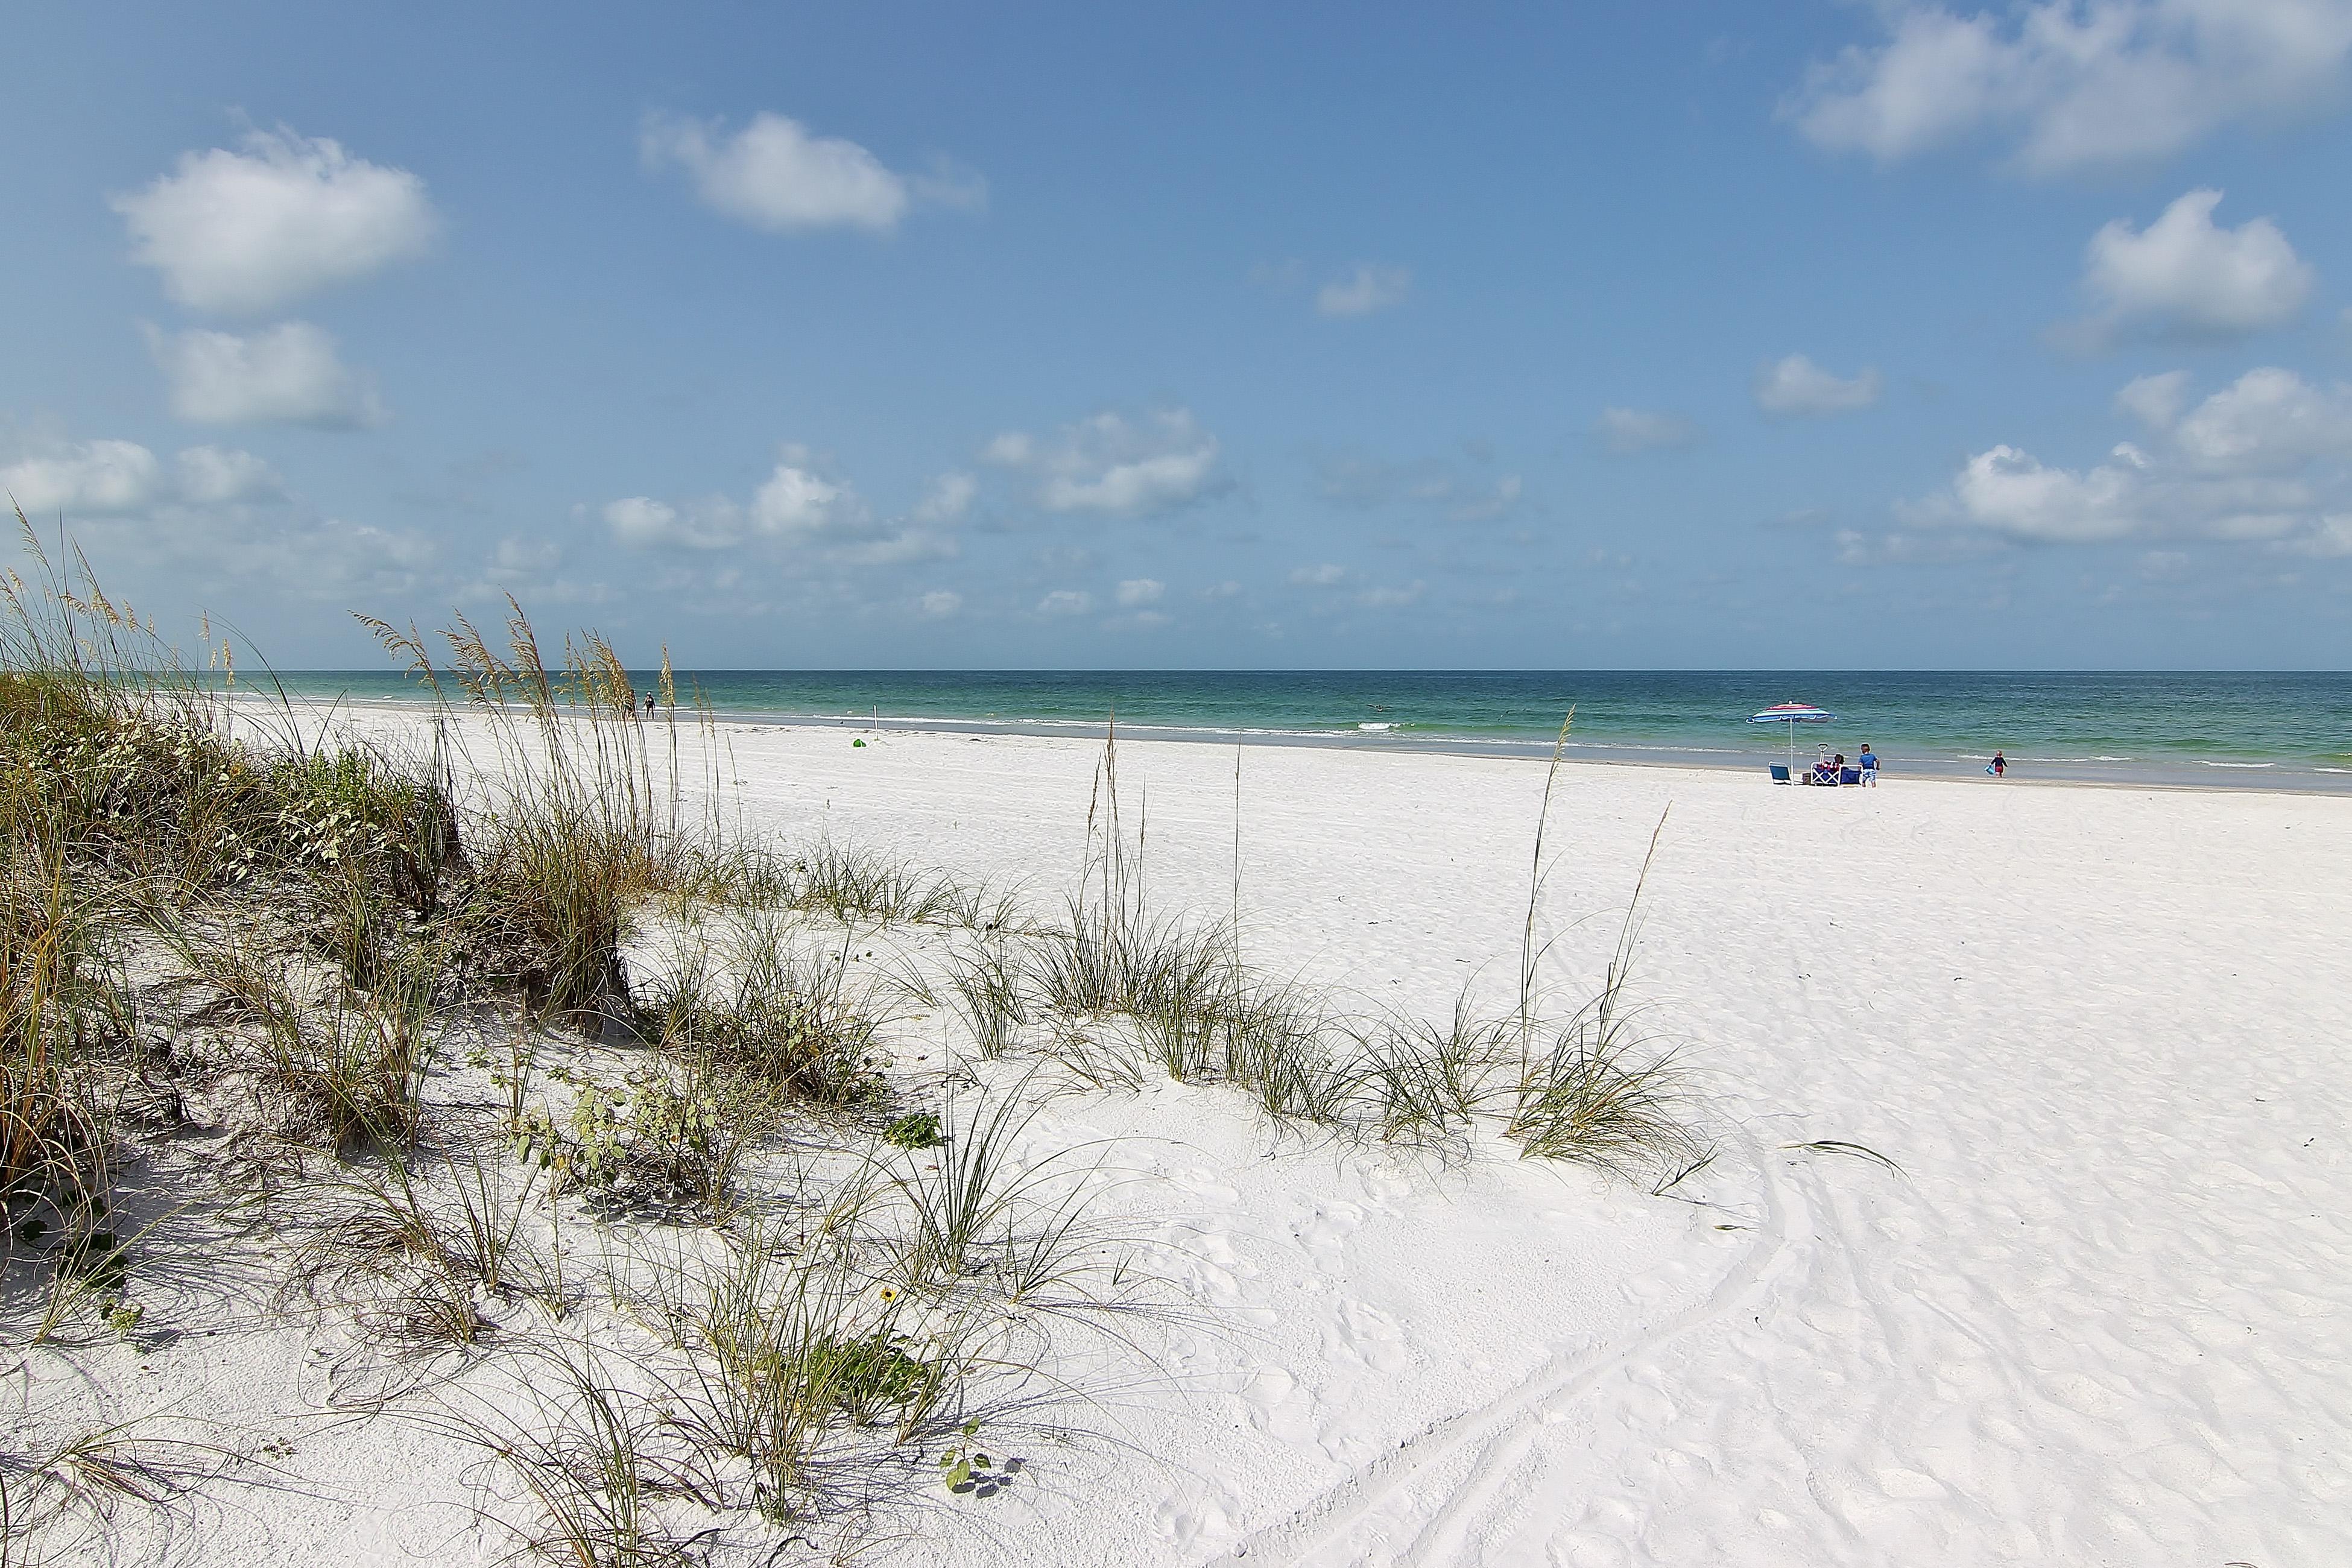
{"points": [[1779, 774]]}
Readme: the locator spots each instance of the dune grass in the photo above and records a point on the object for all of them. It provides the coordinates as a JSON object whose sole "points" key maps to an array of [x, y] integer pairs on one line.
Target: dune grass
{"points": [[325, 912], [766, 1003], [1125, 996], [59, 1500], [56, 993], [327, 920]]}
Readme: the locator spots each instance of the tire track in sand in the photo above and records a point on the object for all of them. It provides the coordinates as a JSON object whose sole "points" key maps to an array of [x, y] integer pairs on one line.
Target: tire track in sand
{"points": [[1496, 1435]]}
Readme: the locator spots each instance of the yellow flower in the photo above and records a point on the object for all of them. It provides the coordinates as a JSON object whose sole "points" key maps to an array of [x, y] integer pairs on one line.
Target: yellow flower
{"points": [[889, 1294]]}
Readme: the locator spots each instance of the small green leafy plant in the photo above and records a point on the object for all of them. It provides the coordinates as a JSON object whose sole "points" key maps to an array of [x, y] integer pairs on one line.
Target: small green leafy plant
{"points": [[659, 1137], [916, 1130], [967, 1470], [862, 1376], [962, 1461]]}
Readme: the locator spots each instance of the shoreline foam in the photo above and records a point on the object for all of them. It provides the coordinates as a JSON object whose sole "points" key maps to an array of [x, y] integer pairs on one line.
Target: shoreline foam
{"points": [[2071, 772]]}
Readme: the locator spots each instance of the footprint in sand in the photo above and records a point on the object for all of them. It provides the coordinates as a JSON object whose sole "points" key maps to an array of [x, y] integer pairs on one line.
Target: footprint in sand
{"points": [[1195, 1520], [1367, 1337], [1184, 1264], [1325, 1229], [1202, 1184], [1271, 1403], [1205, 1265]]}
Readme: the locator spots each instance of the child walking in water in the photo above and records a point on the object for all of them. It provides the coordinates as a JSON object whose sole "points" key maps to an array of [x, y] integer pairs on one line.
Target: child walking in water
{"points": [[1999, 768]]}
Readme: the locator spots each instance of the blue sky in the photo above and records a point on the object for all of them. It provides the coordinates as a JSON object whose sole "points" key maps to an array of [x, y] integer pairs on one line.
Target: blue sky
{"points": [[1696, 336]]}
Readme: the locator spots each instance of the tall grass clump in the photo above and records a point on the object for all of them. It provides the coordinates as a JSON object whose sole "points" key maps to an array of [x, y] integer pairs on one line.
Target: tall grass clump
{"points": [[349, 1061], [598, 1458], [570, 829], [59, 1501], [1132, 996], [796, 1349], [767, 1005], [1593, 1088], [1598, 1094], [1427, 1084], [134, 791], [1113, 955], [975, 1224], [415, 1263], [866, 884], [989, 988], [55, 993], [142, 774]]}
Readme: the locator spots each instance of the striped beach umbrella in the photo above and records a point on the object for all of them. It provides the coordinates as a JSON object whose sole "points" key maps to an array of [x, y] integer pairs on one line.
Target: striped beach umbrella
{"points": [[1792, 713]]}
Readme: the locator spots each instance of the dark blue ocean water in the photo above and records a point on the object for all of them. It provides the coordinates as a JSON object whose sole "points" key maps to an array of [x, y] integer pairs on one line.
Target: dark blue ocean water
{"points": [[2229, 728]]}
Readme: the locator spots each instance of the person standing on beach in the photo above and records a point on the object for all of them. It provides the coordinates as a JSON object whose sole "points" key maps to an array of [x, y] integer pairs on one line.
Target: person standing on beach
{"points": [[2000, 765]]}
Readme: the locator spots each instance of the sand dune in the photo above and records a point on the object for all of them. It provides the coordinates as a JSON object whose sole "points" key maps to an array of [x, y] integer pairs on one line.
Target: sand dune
{"points": [[2023, 1241]]}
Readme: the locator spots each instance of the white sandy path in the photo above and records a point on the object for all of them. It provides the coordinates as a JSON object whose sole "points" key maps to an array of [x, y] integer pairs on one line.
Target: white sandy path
{"points": [[2101, 1320]]}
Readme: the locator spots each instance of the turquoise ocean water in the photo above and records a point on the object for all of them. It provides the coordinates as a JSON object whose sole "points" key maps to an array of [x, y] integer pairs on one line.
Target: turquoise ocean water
{"points": [[2229, 729]]}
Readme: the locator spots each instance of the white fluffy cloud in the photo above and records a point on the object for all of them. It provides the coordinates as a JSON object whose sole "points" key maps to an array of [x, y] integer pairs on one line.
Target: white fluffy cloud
{"points": [[532, 570], [940, 602], [289, 375], [211, 520], [1066, 601], [2268, 421], [2071, 84], [87, 478], [2155, 400], [2011, 493], [947, 499], [1112, 466], [775, 174], [2331, 538], [2261, 458], [1626, 431], [222, 476], [1797, 386], [107, 479], [645, 523], [1370, 287], [2183, 274], [1137, 592], [795, 508], [796, 503], [244, 231]]}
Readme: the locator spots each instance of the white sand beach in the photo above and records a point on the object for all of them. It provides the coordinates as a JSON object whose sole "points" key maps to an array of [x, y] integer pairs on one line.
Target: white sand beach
{"points": [[2087, 1309], [2096, 1319]]}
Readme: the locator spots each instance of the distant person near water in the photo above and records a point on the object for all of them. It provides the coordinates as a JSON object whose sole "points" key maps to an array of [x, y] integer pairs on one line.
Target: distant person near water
{"points": [[1999, 767], [1868, 762]]}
